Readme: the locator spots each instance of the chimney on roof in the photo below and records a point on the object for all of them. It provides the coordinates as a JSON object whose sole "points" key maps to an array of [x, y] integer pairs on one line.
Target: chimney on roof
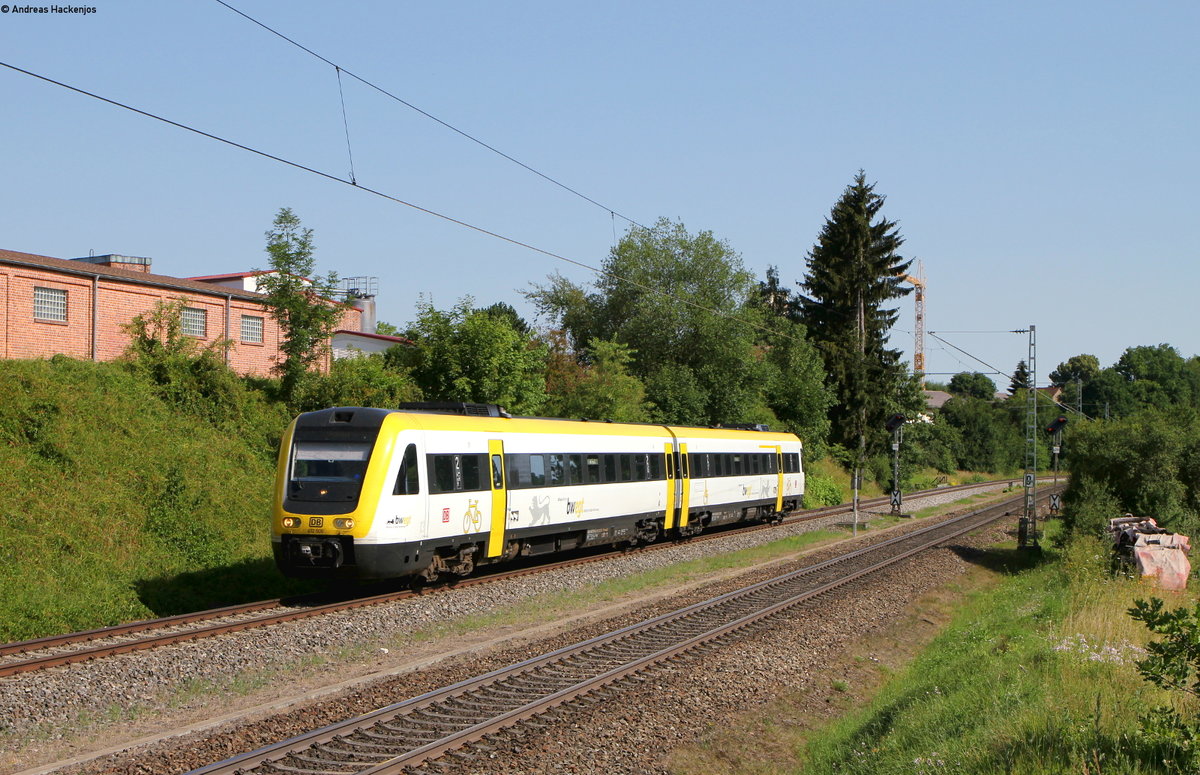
{"points": [[128, 263]]}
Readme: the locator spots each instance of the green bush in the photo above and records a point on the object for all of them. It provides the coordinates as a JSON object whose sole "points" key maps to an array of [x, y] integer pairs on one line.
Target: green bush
{"points": [[821, 490], [367, 380]]}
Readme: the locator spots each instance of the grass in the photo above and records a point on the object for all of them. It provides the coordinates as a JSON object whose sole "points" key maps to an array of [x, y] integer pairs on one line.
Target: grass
{"points": [[1033, 675], [122, 504]]}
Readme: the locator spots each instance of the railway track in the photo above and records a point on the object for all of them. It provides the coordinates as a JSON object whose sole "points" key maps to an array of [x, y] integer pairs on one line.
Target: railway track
{"points": [[478, 711], [54, 651]]}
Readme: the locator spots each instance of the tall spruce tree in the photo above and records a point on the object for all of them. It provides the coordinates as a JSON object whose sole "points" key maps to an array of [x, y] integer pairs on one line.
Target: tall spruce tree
{"points": [[853, 270], [1020, 379]]}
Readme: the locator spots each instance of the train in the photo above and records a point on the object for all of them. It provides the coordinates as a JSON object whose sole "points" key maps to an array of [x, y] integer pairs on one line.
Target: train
{"points": [[433, 490]]}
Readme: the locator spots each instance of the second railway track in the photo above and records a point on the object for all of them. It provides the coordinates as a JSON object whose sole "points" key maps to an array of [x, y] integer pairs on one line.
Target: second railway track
{"points": [[399, 737]]}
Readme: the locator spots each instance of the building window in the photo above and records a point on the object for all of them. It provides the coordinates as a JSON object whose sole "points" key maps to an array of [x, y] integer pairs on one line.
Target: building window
{"points": [[195, 322], [50, 304], [252, 329]]}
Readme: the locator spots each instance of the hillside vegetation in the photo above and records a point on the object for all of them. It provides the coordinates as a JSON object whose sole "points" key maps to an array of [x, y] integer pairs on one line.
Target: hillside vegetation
{"points": [[121, 506]]}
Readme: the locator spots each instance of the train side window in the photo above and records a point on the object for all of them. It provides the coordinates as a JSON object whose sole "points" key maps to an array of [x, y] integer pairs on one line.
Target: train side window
{"points": [[574, 469], [497, 472], [794, 457], [407, 481], [656, 467], [640, 470], [626, 468], [441, 469], [593, 469], [537, 470], [719, 464], [610, 468], [772, 461], [557, 470], [472, 472], [738, 467], [518, 476]]}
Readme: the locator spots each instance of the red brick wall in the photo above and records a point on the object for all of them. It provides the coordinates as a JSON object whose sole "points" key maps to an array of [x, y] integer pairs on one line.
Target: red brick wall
{"points": [[118, 303]]}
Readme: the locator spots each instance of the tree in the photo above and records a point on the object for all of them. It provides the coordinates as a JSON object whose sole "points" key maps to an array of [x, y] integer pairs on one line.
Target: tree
{"points": [[973, 384], [600, 389], [300, 301], [468, 354], [779, 300], [679, 302], [853, 270], [1020, 379], [365, 380], [1078, 368]]}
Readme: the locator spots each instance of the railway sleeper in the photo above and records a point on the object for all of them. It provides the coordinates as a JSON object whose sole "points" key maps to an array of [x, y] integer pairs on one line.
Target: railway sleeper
{"points": [[406, 735], [353, 754]]}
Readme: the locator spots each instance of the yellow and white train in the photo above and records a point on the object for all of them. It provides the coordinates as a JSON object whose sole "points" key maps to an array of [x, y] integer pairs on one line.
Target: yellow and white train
{"points": [[379, 493]]}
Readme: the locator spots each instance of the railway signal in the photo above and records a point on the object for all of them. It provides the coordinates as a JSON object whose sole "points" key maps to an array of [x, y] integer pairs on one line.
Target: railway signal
{"points": [[1055, 429], [895, 426]]}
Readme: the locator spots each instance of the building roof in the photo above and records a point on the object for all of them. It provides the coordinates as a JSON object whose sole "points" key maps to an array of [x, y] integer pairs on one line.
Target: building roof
{"points": [[208, 278], [936, 399], [380, 337], [83, 269]]}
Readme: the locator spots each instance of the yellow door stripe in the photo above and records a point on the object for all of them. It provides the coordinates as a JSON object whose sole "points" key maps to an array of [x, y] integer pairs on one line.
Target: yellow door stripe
{"points": [[671, 474], [495, 545], [779, 484], [685, 476]]}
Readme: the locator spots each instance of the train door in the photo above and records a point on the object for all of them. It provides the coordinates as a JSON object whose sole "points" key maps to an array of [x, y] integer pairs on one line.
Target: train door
{"points": [[685, 485], [495, 545], [779, 483], [671, 486]]}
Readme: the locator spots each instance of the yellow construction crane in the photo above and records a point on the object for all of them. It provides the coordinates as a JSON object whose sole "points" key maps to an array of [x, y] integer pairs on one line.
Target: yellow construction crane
{"points": [[918, 283]]}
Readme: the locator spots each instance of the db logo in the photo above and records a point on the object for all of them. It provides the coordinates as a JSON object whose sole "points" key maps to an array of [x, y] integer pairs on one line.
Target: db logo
{"points": [[445, 515]]}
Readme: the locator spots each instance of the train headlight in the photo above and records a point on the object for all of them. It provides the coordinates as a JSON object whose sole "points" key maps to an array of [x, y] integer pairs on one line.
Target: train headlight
{"points": [[291, 521], [344, 523]]}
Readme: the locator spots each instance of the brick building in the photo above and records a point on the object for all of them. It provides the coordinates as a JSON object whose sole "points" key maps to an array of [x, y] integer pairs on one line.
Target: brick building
{"points": [[77, 308]]}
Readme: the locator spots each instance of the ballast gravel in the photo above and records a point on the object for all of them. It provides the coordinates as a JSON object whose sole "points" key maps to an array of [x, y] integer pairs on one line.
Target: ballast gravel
{"points": [[40, 711]]}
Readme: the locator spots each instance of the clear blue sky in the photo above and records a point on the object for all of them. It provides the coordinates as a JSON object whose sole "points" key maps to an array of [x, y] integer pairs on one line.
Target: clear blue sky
{"points": [[1040, 158]]}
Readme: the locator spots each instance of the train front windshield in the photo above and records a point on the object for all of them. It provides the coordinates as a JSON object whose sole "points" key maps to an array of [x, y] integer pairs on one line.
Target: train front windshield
{"points": [[327, 470]]}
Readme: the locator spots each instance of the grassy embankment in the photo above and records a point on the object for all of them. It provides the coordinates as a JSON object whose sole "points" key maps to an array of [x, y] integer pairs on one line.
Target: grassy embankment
{"points": [[120, 507], [1034, 674]]}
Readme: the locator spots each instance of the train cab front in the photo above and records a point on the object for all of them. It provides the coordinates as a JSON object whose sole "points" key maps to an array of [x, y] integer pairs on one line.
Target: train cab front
{"points": [[323, 492]]}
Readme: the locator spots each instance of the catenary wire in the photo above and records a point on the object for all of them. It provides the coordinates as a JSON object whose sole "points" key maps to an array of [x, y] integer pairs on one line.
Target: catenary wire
{"points": [[428, 115], [397, 200]]}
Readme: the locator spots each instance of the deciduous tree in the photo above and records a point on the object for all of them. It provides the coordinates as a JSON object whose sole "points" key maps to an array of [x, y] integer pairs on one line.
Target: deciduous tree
{"points": [[973, 384], [298, 299], [468, 354]]}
